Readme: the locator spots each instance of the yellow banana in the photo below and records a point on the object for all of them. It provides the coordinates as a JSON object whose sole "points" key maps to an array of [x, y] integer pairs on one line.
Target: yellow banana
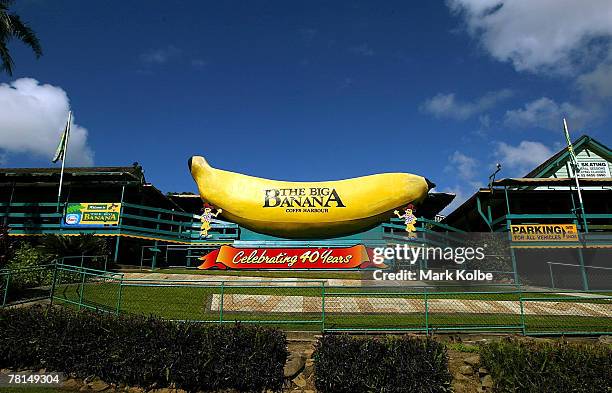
{"points": [[306, 209]]}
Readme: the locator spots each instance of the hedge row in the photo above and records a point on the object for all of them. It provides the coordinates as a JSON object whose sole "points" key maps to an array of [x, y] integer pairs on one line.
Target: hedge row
{"points": [[556, 367], [144, 352], [390, 364]]}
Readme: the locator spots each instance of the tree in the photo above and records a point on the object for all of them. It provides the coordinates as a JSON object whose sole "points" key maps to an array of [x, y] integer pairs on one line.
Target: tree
{"points": [[11, 26]]}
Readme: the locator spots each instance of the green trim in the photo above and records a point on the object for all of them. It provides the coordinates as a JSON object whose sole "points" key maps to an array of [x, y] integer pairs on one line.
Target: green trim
{"points": [[29, 215], [186, 224], [116, 255], [158, 210], [479, 209]]}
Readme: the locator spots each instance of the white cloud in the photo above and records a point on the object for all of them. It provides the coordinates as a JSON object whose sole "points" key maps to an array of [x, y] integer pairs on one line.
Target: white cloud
{"points": [[597, 84], [466, 169], [464, 165], [446, 105], [572, 38], [485, 121], [461, 195], [523, 157], [160, 55], [32, 117], [539, 35], [547, 114]]}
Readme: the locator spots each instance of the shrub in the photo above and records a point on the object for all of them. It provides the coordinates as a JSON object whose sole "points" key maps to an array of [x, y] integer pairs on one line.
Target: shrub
{"points": [[58, 246], [26, 266], [528, 366], [390, 364], [141, 351]]}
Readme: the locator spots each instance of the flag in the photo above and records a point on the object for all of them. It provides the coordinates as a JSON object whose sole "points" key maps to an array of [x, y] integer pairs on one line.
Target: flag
{"points": [[61, 148]]}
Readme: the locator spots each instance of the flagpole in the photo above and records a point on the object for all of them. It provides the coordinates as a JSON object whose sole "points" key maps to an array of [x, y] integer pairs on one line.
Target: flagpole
{"points": [[59, 191], [575, 169]]}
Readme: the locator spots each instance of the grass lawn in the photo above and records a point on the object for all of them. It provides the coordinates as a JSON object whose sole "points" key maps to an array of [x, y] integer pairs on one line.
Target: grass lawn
{"points": [[194, 303]]}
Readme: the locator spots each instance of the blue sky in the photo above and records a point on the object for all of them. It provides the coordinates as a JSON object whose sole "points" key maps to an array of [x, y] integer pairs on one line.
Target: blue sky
{"points": [[310, 90]]}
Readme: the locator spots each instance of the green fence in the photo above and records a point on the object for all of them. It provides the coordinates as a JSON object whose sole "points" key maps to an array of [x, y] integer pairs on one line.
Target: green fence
{"points": [[87, 288], [315, 306], [26, 284]]}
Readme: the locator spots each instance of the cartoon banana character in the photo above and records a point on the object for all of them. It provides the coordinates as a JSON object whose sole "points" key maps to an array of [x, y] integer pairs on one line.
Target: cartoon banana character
{"points": [[306, 209]]}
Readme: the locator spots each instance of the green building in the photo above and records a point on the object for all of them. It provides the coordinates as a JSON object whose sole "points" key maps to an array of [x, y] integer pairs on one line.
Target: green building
{"points": [[157, 229], [548, 195]]}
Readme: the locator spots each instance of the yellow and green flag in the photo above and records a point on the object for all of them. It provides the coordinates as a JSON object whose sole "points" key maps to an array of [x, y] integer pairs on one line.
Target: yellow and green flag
{"points": [[60, 153]]}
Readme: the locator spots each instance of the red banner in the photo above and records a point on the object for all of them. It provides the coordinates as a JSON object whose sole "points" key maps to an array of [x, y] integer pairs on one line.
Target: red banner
{"points": [[228, 257]]}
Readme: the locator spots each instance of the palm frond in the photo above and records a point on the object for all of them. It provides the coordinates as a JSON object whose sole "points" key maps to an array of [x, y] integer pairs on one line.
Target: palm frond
{"points": [[5, 24], [24, 33], [11, 26], [5, 4], [6, 61]]}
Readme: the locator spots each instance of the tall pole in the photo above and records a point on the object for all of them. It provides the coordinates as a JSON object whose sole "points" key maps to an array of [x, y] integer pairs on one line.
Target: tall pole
{"points": [[59, 191], [575, 169]]}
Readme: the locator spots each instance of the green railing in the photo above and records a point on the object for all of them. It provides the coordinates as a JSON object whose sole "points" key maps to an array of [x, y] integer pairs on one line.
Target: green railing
{"points": [[81, 260], [135, 220], [313, 305], [74, 285]]}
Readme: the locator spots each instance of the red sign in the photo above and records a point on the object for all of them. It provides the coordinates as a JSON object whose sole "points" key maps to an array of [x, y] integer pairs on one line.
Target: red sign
{"points": [[228, 257]]}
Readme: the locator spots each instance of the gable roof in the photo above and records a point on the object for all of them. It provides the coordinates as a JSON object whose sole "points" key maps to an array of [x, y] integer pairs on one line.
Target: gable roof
{"points": [[563, 155]]}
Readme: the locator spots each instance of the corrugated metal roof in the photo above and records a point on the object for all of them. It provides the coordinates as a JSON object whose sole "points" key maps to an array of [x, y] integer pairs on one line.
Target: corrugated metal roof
{"points": [[130, 173], [54, 170]]}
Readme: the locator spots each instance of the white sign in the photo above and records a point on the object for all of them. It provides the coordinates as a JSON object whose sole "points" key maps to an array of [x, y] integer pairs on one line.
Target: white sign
{"points": [[593, 169]]}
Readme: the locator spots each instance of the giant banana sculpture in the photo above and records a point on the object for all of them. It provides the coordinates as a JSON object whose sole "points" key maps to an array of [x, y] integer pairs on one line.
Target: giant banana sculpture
{"points": [[306, 209]]}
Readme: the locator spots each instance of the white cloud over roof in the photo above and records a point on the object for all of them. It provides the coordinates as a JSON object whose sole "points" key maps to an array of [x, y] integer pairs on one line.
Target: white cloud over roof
{"points": [[32, 117]]}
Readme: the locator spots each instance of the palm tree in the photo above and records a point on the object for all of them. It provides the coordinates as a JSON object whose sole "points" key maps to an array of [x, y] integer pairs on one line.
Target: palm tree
{"points": [[11, 26]]}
